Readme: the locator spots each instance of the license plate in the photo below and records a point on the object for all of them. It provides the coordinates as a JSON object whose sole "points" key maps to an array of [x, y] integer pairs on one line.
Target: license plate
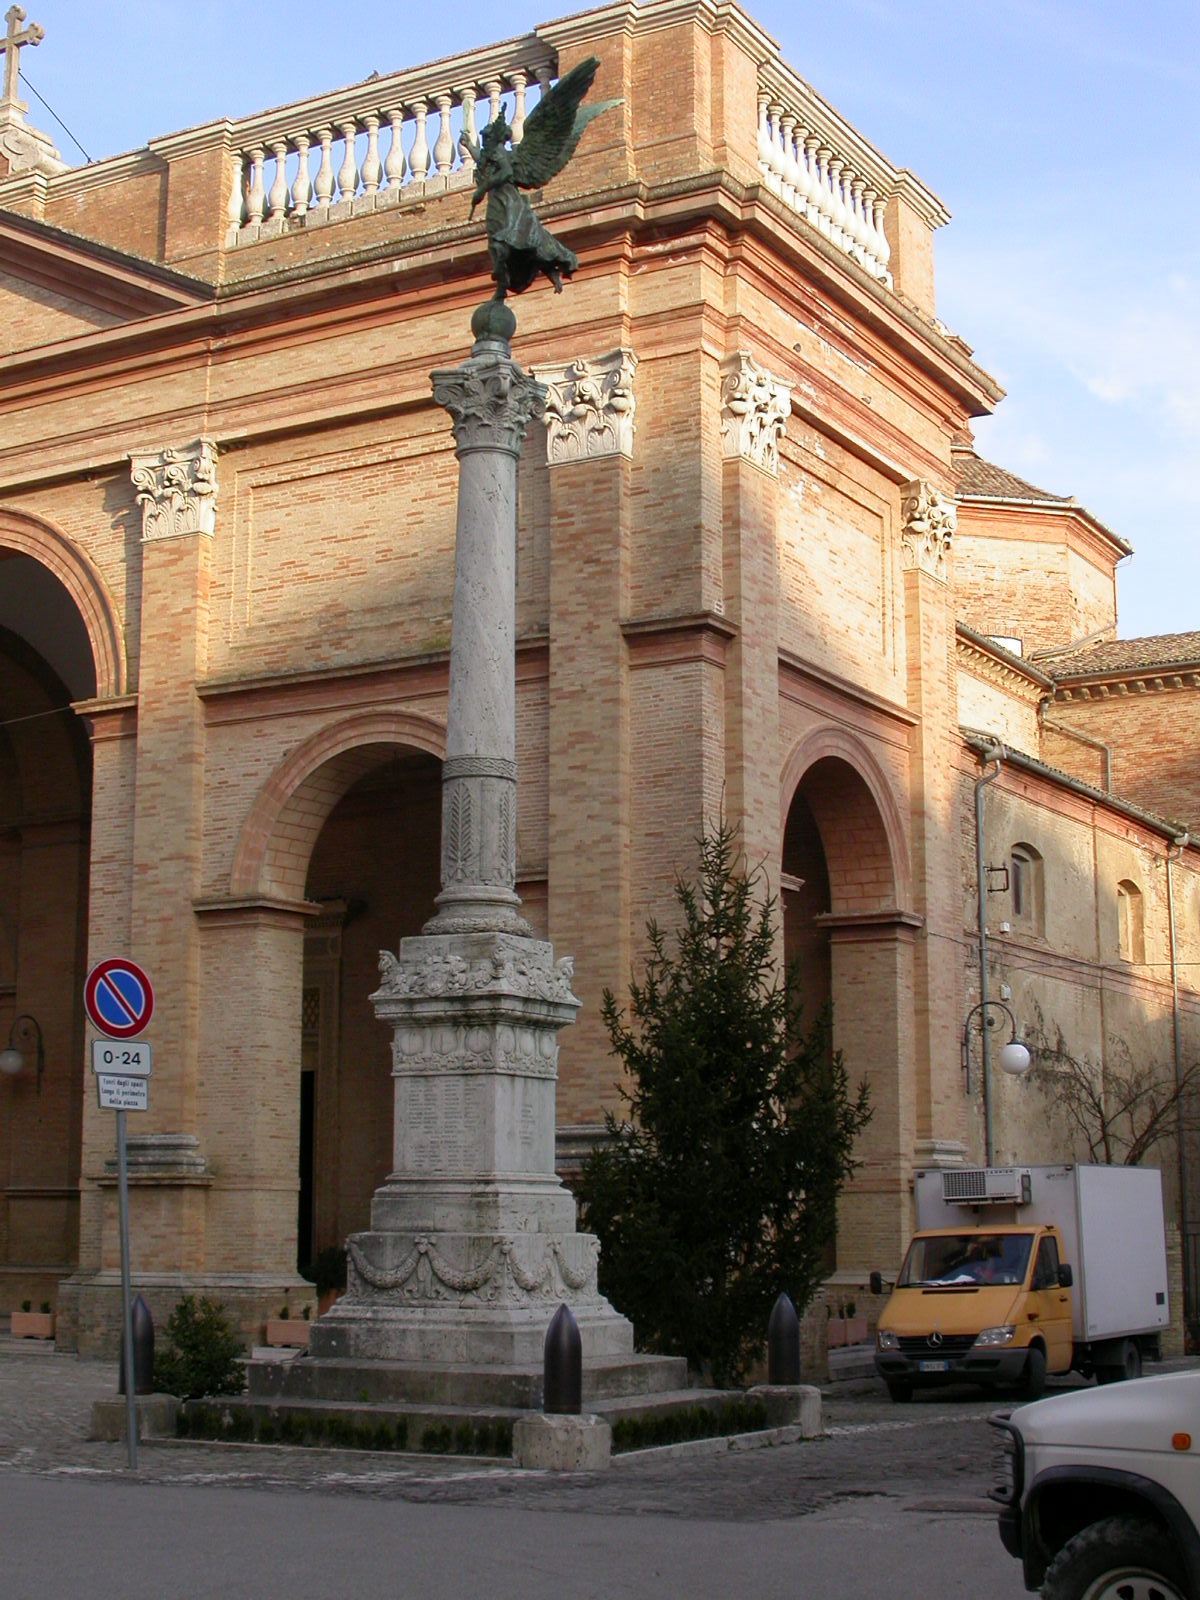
{"points": [[933, 1366]]}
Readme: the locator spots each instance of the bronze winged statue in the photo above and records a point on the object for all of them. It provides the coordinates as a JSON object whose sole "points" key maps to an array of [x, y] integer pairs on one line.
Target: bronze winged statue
{"points": [[519, 246]]}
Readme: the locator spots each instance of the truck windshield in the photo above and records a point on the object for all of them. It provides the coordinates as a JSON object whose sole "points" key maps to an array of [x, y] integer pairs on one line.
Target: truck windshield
{"points": [[965, 1259]]}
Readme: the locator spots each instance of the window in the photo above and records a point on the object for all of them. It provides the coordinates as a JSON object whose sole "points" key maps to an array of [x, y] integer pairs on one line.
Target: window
{"points": [[1131, 924], [1025, 887], [1045, 1271]]}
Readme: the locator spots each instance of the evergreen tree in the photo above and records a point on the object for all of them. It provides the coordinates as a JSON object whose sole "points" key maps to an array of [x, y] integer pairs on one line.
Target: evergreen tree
{"points": [[720, 1190]]}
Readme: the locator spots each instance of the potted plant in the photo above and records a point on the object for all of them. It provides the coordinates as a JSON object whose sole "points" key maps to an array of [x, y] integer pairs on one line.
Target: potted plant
{"points": [[847, 1327], [30, 1324], [287, 1331]]}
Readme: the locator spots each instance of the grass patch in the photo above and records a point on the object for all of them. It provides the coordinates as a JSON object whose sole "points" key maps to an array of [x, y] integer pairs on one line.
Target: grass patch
{"points": [[694, 1422]]}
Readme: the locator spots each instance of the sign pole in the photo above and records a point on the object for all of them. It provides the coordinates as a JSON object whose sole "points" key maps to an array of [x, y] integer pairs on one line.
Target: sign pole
{"points": [[131, 1426]]}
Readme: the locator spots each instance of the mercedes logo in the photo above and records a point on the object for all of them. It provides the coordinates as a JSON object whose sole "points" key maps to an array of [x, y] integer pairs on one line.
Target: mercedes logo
{"points": [[934, 1339]]}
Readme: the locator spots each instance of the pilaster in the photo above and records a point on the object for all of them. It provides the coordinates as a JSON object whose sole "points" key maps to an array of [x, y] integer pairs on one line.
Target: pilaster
{"points": [[755, 408], [590, 421], [927, 526], [177, 492]]}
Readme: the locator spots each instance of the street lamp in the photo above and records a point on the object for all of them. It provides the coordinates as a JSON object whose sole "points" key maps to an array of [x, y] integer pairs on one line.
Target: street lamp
{"points": [[12, 1060], [1014, 1058]]}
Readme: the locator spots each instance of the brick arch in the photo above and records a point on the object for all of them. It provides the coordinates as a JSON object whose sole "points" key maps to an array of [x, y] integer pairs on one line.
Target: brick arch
{"points": [[31, 535], [290, 809], [859, 818]]}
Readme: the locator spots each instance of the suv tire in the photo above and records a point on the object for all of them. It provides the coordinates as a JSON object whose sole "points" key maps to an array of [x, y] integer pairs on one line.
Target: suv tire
{"points": [[1119, 1557]]}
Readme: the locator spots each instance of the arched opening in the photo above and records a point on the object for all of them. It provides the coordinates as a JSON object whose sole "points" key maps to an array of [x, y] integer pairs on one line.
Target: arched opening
{"points": [[46, 662], [374, 872], [845, 932]]}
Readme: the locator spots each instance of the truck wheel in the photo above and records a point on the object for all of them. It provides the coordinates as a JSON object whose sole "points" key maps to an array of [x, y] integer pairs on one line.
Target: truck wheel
{"points": [[1129, 1364], [1033, 1380], [899, 1390], [1121, 1558]]}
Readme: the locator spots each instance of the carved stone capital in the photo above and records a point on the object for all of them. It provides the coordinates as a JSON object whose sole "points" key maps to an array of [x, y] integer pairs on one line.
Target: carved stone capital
{"points": [[491, 401], [177, 490], [755, 407], [590, 407], [928, 519]]}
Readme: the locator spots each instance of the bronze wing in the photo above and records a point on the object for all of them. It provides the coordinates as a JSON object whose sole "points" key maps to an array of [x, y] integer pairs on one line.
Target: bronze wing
{"points": [[554, 126]]}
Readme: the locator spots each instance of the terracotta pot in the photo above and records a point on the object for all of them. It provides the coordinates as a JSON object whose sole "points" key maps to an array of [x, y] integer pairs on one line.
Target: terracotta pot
{"points": [[847, 1330], [33, 1324], [290, 1332]]}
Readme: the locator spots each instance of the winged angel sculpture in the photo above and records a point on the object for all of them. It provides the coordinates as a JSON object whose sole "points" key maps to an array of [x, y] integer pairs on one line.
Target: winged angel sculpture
{"points": [[519, 246]]}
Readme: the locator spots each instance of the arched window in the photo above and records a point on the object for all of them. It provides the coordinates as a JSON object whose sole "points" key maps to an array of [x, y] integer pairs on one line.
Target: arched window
{"points": [[1131, 922], [1025, 887]]}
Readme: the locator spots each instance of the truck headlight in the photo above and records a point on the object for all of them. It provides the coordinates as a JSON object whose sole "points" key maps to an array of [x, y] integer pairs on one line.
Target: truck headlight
{"points": [[885, 1339], [993, 1336]]}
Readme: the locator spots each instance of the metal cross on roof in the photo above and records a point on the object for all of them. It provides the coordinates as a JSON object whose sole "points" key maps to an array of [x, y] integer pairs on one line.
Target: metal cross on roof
{"points": [[11, 47]]}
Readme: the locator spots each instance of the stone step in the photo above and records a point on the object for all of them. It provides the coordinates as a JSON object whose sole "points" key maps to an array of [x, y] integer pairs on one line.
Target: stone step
{"points": [[302, 1378]]}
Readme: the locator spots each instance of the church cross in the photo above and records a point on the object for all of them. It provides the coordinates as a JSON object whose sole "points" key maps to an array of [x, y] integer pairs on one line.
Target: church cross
{"points": [[10, 45]]}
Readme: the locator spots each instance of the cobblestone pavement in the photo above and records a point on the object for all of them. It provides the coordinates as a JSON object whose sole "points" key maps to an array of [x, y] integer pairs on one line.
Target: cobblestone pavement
{"points": [[935, 1454]]}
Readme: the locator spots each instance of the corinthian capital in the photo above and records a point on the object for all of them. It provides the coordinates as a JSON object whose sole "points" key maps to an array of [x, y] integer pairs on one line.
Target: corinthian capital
{"points": [[928, 519], [590, 407], [490, 400], [755, 407], [177, 490]]}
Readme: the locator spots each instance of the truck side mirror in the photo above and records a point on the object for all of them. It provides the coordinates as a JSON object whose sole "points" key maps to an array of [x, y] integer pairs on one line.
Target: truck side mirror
{"points": [[1065, 1276], [876, 1282]]}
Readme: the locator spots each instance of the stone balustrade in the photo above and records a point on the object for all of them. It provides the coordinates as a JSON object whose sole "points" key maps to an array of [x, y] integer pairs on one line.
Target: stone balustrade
{"points": [[823, 168], [375, 143]]}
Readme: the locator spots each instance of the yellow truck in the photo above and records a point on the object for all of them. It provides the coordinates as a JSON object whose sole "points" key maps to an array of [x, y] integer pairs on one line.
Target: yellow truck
{"points": [[1016, 1272]]}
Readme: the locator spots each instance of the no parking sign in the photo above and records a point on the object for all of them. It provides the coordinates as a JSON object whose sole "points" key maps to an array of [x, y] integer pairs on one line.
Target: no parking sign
{"points": [[118, 998]]}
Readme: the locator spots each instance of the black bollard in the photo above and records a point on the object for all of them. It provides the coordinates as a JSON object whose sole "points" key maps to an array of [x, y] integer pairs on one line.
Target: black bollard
{"points": [[562, 1366], [783, 1343], [143, 1350]]}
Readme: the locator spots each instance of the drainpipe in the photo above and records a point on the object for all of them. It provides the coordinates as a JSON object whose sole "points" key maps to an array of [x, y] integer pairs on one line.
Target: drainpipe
{"points": [[1174, 850], [996, 753]]}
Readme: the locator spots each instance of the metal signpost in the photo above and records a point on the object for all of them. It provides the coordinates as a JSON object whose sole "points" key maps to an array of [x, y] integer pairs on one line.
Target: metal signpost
{"points": [[119, 1000]]}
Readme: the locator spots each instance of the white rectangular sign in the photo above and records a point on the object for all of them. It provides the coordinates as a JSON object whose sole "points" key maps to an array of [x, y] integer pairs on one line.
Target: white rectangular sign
{"points": [[126, 1058], [123, 1094]]}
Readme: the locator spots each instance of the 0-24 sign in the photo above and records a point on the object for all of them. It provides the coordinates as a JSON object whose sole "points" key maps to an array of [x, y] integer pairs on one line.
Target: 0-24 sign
{"points": [[128, 1058]]}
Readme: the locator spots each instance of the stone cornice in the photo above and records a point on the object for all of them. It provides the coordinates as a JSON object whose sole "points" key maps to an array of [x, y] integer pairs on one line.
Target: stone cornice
{"points": [[1130, 682], [978, 654]]}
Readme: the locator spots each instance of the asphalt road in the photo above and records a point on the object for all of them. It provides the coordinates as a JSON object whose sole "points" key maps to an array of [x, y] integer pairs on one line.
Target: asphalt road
{"points": [[891, 1502]]}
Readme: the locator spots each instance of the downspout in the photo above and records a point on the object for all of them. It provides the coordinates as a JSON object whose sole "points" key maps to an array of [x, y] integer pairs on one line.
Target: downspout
{"points": [[1178, 845], [996, 753]]}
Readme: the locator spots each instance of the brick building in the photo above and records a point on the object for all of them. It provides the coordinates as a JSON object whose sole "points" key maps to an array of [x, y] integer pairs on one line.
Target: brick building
{"points": [[226, 529]]}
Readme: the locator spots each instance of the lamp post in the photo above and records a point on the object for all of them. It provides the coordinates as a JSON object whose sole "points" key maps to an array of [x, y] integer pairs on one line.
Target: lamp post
{"points": [[1013, 1058], [12, 1060]]}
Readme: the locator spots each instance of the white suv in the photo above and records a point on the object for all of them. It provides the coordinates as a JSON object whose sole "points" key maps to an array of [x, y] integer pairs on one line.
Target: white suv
{"points": [[1103, 1497]]}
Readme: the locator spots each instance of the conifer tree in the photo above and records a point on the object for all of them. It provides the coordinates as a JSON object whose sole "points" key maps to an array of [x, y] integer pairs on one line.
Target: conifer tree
{"points": [[719, 1188]]}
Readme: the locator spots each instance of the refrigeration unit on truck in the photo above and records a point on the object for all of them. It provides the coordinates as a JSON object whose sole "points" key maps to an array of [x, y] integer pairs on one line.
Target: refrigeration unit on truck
{"points": [[1015, 1272]]}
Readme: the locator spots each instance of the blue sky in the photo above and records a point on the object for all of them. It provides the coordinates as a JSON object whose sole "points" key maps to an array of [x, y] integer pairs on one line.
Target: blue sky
{"points": [[1062, 134]]}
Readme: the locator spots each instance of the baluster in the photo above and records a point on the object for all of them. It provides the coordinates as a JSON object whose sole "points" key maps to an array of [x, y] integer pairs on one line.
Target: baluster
{"points": [[237, 195], [302, 188], [544, 76], [840, 216], [348, 171], [418, 156], [324, 183], [774, 182], [443, 150], [518, 80], [493, 87], [764, 135], [882, 245], [789, 173], [803, 178], [858, 223], [394, 167], [255, 196], [469, 130], [372, 168], [824, 192], [811, 141], [278, 197]]}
